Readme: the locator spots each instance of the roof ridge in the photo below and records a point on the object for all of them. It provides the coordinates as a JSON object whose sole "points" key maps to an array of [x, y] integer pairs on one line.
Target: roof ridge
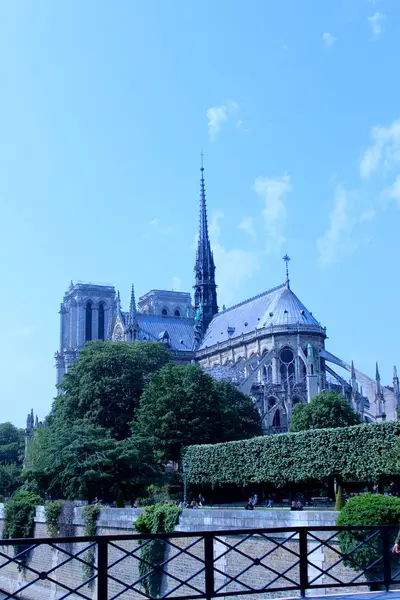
{"points": [[252, 298]]}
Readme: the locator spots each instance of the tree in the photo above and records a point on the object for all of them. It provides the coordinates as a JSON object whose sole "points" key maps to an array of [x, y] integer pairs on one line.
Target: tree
{"points": [[182, 406], [327, 409], [105, 383], [11, 457], [82, 460]]}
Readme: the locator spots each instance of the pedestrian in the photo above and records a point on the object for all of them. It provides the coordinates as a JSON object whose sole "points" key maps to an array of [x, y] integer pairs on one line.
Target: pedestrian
{"points": [[299, 505], [201, 500], [293, 506], [249, 505], [255, 499]]}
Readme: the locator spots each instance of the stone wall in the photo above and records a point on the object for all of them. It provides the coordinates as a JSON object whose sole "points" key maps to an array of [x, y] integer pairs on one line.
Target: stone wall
{"points": [[276, 555]]}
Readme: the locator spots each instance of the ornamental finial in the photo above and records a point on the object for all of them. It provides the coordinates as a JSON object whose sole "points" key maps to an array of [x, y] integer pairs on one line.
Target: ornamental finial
{"points": [[287, 259]]}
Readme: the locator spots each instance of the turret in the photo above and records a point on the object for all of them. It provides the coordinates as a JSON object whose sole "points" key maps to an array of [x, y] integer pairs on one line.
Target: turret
{"points": [[312, 376], [396, 387]]}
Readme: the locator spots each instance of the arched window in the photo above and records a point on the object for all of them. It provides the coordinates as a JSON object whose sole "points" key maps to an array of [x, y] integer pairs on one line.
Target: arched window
{"points": [[286, 366], [101, 321], [177, 313], [88, 328], [277, 419], [164, 312]]}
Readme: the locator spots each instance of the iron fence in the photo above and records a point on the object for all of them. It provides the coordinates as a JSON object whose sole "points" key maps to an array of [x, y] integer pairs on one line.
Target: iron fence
{"points": [[209, 564]]}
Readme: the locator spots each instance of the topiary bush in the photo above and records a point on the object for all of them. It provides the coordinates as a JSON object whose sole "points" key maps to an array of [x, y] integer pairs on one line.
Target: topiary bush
{"points": [[367, 509], [158, 518]]}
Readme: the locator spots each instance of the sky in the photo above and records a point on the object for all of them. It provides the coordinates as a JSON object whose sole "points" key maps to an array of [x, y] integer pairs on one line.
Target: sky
{"points": [[104, 109]]}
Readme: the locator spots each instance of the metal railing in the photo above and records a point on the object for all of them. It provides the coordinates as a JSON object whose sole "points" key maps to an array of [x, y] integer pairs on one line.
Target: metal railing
{"points": [[190, 566]]}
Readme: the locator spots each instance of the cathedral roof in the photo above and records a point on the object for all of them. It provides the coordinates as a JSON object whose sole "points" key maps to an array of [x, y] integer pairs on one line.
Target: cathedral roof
{"points": [[180, 330], [277, 307]]}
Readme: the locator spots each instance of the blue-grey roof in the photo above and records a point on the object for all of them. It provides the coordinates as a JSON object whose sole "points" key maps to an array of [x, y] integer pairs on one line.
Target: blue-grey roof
{"points": [[279, 306], [179, 329]]}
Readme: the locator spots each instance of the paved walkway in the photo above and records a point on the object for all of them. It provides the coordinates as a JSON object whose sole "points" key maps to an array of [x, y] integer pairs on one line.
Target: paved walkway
{"points": [[393, 595]]}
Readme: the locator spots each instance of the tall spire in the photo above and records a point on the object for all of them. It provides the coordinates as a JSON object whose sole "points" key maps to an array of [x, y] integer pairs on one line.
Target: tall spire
{"points": [[287, 259], [396, 386], [132, 309], [205, 295]]}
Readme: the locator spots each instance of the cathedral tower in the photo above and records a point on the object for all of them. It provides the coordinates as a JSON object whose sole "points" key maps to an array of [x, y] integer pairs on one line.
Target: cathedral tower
{"points": [[205, 289]]}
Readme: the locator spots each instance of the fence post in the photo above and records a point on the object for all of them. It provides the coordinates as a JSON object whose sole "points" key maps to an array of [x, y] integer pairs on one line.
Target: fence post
{"points": [[102, 567], [387, 569], [209, 565], [303, 552]]}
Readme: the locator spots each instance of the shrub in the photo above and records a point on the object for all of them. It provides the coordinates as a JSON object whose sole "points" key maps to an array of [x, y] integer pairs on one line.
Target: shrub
{"points": [[367, 509], [53, 511], [158, 518], [358, 453], [90, 514], [19, 515]]}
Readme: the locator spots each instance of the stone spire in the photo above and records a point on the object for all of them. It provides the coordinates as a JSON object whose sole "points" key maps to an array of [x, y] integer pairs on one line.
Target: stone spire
{"points": [[132, 309], [205, 289], [396, 387]]}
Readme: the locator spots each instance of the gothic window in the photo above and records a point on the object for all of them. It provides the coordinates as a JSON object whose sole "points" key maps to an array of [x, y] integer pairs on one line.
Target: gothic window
{"points": [[177, 313], [286, 366], [268, 374], [277, 419], [164, 312], [118, 333], [101, 321], [88, 328]]}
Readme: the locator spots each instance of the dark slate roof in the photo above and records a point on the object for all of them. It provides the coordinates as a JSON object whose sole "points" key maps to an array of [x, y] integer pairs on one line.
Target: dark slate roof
{"points": [[279, 306], [180, 330]]}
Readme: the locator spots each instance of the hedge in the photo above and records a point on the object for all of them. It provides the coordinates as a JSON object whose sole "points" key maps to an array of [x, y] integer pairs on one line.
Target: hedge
{"points": [[359, 453]]}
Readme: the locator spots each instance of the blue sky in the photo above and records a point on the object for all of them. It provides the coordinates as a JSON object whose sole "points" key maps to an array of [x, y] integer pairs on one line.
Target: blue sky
{"points": [[104, 108]]}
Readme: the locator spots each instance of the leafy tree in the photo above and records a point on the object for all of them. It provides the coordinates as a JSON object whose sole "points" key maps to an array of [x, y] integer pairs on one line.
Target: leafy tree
{"points": [[11, 457], [105, 383], [182, 405], [367, 509], [327, 409], [82, 460]]}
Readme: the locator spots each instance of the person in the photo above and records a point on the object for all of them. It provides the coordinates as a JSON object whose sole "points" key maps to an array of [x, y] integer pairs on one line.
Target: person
{"points": [[201, 500], [270, 502], [193, 505], [249, 505], [293, 505], [299, 505], [255, 499]]}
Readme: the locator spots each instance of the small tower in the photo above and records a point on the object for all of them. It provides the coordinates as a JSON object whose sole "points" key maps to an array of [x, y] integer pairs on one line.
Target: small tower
{"points": [[131, 330], [396, 387], [205, 289], [379, 397], [312, 377]]}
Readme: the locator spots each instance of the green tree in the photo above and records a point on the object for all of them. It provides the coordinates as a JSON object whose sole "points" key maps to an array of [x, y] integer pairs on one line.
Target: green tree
{"points": [[182, 405], [105, 383], [11, 457], [82, 460], [367, 509], [327, 409]]}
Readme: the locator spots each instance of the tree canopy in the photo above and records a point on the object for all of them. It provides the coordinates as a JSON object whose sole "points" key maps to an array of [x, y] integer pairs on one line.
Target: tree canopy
{"points": [[182, 405], [12, 445], [105, 383], [327, 409]]}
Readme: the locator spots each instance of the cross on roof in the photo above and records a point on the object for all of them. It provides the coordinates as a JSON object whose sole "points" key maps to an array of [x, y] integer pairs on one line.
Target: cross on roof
{"points": [[287, 259]]}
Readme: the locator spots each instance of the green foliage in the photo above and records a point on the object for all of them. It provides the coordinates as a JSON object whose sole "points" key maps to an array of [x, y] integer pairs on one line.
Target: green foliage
{"points": [[367, 509], [19, 515], [105, 383], [158, 518], [11, 458], [53, 511], [327, 409], [182, 405], [340, 501], [82, 460], [360, 453], [90, 514]]}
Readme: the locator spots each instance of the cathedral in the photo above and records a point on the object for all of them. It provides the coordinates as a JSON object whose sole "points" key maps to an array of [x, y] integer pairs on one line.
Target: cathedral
{"points": [[270, 346]]}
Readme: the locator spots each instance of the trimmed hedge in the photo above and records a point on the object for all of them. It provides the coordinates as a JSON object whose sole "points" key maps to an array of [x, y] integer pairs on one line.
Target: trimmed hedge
{"points": [[358, 453]]}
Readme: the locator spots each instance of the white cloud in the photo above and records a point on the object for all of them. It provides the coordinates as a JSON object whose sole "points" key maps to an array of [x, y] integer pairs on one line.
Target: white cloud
{"points": [[328, 39], [376, 23], [247, 225], [176, 284], [218, 115], [273, 192], [385, 150], [367, 215], [234, 267], [159, 227], [338, 241], [393, 192]]}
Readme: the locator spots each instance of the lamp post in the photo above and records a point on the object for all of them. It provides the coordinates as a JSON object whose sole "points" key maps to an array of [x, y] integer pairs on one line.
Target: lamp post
{"points": [[185, 468]]}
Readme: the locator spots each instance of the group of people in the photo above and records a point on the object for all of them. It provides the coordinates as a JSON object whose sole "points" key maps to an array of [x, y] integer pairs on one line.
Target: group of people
{"points": [[194, 504]]}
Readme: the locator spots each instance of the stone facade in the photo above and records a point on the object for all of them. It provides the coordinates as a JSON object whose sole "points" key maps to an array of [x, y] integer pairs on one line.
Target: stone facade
{"points": [[185, 565]]}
